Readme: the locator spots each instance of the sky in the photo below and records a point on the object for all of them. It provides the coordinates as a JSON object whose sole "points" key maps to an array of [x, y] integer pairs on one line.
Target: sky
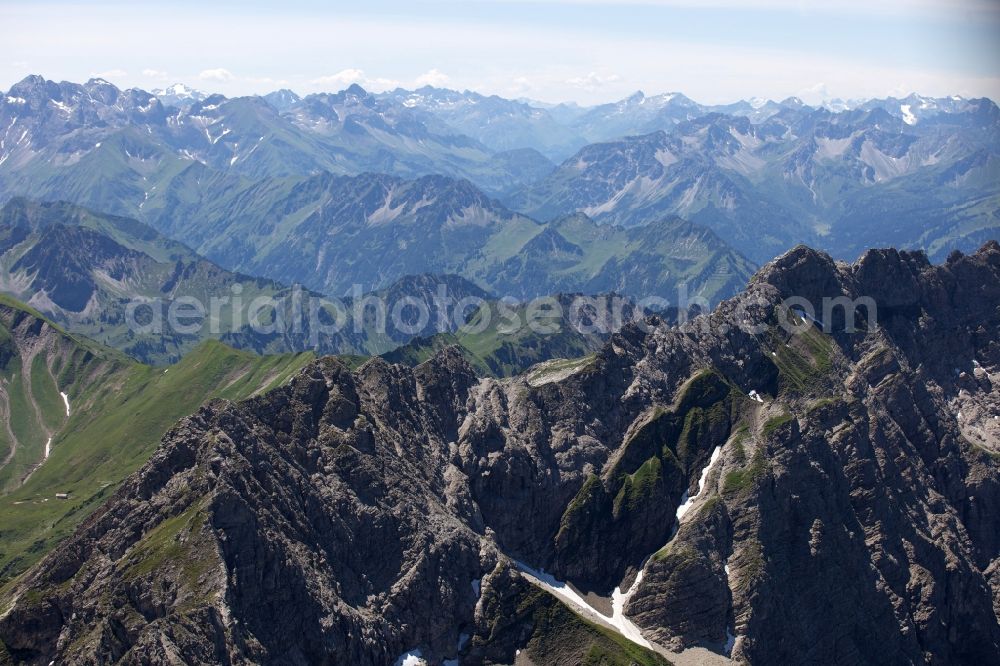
{"points": [[587, 51]]}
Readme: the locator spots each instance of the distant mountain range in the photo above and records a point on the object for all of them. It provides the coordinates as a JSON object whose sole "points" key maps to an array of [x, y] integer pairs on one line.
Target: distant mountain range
{"points": [[53, 131], [915, 172], [333, 232], [844, 181], [86, 270]]}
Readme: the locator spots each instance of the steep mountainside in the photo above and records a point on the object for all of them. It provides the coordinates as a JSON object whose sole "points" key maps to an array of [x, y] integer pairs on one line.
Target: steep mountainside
{"points": [[77, 418], [844, 181], [773, 496], [41, 369], [331, 233], [84, 269]]}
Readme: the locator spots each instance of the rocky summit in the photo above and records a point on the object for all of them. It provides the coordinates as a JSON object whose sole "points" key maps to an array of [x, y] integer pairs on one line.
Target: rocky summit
{"points": [[779, 481]]}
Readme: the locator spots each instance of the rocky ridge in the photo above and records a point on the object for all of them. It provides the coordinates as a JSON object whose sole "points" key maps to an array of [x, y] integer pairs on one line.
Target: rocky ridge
{"points": [[835, 505]]}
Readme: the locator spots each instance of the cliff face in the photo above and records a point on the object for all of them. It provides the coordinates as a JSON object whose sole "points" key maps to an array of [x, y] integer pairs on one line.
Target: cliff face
{"points": [[838, 494]]}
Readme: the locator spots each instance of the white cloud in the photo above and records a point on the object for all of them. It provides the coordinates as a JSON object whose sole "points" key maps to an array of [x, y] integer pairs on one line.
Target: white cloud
{"points": [[815, 94], [902, 90], [433, 77], [218, 75], [520, 85], [593, 81], [487, 57], [110, 74], [155, 74], [345, 77], [380, 83]]}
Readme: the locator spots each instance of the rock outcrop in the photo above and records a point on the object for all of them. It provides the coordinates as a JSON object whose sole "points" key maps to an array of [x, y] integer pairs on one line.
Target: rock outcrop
{"points": [[838, 494]]}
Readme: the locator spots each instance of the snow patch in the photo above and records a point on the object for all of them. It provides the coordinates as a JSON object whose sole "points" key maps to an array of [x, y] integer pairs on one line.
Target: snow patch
{"points": [[411, 658], [753, 395], [567, 594], [48, 447], [65, 401], [624, 625], [908, 116], [687, 502]]}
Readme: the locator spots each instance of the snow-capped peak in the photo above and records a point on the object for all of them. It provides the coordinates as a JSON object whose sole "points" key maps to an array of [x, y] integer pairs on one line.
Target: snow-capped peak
{"points": [[179, 95], [180, 90]]}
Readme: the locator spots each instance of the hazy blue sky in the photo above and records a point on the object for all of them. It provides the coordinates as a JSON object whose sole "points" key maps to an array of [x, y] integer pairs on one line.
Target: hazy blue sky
{"points": [[553, 50]]}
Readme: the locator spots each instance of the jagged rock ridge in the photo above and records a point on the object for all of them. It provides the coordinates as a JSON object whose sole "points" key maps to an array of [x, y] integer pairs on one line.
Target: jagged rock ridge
{"points": [[849, 516]]}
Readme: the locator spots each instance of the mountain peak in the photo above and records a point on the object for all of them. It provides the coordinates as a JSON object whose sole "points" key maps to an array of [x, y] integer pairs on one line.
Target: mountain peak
{"points": [[179, 94], [793, 102], [282, 99], [33, 85], [32, 80], [180, 89], [355, 89]]}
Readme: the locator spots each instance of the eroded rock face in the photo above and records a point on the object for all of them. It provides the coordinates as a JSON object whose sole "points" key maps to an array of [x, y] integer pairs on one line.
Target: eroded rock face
{"points": [[849, 516]]}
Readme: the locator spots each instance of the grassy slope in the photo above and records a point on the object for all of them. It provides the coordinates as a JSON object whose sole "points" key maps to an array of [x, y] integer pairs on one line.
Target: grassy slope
{"points": [[119, 413], [500, 350]]}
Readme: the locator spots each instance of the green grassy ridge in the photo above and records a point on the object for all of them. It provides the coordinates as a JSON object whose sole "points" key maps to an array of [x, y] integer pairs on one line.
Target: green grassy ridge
{"points": [[83, 344], [669, 432], [772, 425], [804, 359], [120, 410], [35, 409], [32, 414], [499, 350], [590, 501], [422, 349], [638, 487], [738, 480], [656, 459], [509, 350]]}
